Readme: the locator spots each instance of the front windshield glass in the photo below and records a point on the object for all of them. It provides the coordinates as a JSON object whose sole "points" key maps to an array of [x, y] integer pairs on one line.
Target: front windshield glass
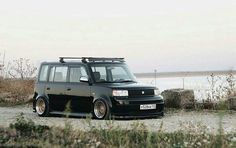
{"points": [[112, 73]]}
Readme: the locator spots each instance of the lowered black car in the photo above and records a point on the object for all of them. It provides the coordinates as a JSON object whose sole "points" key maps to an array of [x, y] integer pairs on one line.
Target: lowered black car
{"points": [[103, 87]]}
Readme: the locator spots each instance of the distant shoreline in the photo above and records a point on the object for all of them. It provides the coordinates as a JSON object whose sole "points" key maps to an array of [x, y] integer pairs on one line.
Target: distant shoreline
{"points": [[183, 74]]}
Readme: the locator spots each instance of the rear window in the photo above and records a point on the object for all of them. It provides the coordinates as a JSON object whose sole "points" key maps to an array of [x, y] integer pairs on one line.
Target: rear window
{"points": [[43, 73]]}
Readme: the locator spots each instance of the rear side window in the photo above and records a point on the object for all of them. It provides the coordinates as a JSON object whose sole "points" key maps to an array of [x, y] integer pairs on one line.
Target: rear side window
{"points": [[43, 73], [58, 74]]}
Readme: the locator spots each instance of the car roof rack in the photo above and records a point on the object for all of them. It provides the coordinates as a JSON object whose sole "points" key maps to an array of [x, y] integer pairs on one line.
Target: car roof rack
{"points": [[91, 59]]}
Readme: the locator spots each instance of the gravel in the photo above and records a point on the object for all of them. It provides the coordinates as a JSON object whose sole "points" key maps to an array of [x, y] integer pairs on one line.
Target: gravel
{"points": [[172, 121]]}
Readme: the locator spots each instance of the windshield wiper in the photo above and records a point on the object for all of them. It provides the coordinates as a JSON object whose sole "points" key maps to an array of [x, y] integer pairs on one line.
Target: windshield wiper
{"points": [[104, 82], [121, 81]]}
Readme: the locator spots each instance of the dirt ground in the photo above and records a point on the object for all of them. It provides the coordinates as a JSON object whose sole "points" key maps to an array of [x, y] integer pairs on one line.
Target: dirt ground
{"points": [[172, 121]]}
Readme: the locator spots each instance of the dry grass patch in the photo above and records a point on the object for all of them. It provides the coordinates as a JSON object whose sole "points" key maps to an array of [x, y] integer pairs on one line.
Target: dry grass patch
{"points": [[14, 91]]}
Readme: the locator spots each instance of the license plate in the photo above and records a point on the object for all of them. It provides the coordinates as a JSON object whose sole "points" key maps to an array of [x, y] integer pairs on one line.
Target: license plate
{"points": [[148, 106]]}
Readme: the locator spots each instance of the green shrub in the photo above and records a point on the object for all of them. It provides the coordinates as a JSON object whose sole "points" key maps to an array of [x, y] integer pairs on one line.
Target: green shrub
{"points": [[25, 133], [26, 127]]}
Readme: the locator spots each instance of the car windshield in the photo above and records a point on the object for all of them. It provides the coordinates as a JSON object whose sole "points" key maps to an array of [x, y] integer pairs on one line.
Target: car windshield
{"points": [[112, 73]]}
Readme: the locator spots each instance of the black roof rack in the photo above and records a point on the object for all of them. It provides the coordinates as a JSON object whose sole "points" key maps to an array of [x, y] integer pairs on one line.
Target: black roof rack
{"points": [[91, 59]]}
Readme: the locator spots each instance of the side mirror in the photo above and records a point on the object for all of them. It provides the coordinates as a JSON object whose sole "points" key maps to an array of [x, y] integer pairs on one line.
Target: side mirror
{"points": [[84, 79]]}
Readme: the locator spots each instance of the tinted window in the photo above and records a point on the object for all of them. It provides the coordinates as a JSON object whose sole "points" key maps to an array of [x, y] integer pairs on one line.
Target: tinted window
{"points": [[76, 73], [99, 73], [58, 74], [43, 73]]}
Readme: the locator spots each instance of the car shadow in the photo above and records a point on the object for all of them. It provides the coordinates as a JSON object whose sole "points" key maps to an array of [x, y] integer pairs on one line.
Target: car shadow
{"points": [[112, 118]]}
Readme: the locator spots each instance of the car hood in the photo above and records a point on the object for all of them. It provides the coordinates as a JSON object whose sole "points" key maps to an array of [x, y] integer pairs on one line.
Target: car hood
{"points": [[128, 86]]}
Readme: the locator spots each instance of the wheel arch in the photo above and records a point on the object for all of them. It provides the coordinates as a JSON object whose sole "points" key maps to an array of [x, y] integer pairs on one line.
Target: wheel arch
{"points": [[38, 96], [105, 98], [42, 96]]}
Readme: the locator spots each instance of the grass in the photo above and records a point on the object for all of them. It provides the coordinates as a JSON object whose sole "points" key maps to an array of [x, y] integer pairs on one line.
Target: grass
{"points": [[25, 133], [15, 92]]}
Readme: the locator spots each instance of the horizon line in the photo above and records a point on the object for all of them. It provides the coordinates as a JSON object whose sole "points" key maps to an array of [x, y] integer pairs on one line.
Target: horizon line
{"points": [[184, 73]]}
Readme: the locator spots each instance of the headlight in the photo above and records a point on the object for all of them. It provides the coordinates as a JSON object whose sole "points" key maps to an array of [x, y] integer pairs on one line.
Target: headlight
{"points": [[119, 93], [157, 92]]}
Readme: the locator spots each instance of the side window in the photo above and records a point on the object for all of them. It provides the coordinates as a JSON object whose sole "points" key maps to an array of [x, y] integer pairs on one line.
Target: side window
{"points": [[99, 73], [84, 72], [43, 73], [58, 74], [76, 73]]}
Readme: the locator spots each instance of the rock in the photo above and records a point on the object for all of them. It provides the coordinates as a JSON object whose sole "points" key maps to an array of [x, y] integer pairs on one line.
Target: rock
{"points": [[232, 103], [179, 98]]}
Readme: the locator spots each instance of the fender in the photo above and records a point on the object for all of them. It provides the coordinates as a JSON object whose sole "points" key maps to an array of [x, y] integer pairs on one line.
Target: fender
{"points": [[105, 98], [39, 96], [43, 96]]}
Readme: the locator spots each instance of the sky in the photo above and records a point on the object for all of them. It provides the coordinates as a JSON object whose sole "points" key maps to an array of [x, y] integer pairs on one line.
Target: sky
{"points": [[170, 35]]}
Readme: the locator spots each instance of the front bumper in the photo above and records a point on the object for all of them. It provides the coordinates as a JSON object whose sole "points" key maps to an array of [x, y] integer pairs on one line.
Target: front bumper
{"points": [[160, 114], [130, 107]]}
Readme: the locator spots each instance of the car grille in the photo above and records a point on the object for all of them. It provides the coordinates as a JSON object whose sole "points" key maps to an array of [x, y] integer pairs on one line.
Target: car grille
{"points": [[146, 102], [141, 93]]}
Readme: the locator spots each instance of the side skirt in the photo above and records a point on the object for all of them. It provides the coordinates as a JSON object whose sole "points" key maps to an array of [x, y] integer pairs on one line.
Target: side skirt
{"points": [[71, 114]]}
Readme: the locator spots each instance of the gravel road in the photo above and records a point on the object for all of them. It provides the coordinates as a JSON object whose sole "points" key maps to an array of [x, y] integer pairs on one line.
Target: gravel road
{"points": [[172, 121]]}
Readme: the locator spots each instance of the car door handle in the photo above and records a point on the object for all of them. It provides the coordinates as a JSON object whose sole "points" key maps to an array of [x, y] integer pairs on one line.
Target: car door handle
{"points": [[68, 89], [48, 88]]}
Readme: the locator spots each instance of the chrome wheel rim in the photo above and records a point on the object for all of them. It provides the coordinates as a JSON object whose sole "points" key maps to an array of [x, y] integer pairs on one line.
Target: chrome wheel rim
{"points": [[100, 109], [40, 106]]}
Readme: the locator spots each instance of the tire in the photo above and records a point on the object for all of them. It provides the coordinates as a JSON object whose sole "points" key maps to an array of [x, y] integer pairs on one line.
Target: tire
{"points": [[101, 110], [42, 107]]}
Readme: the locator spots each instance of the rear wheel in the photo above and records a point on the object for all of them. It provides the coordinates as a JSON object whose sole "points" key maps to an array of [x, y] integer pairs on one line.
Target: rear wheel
{"points": [[101, 110], [42, 107]]}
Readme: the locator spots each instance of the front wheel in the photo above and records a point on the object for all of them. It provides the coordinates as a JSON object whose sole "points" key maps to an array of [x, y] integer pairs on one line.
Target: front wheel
{"points": [[42, 107], [101, 110]]}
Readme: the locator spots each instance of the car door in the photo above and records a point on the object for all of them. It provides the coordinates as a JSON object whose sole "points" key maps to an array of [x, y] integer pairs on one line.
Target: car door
{"points": [[55, 89], [78, 92]]}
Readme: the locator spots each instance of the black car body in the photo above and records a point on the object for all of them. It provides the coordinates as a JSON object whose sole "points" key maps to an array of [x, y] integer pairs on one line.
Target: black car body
{"points": [[101, 86]]}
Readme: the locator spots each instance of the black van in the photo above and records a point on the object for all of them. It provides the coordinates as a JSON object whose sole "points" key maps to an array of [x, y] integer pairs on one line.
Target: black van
{"points": [[103, 87]]}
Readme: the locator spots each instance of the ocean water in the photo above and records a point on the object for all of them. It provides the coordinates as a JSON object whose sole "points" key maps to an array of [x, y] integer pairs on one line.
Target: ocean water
{"points": [[201, 85]]}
